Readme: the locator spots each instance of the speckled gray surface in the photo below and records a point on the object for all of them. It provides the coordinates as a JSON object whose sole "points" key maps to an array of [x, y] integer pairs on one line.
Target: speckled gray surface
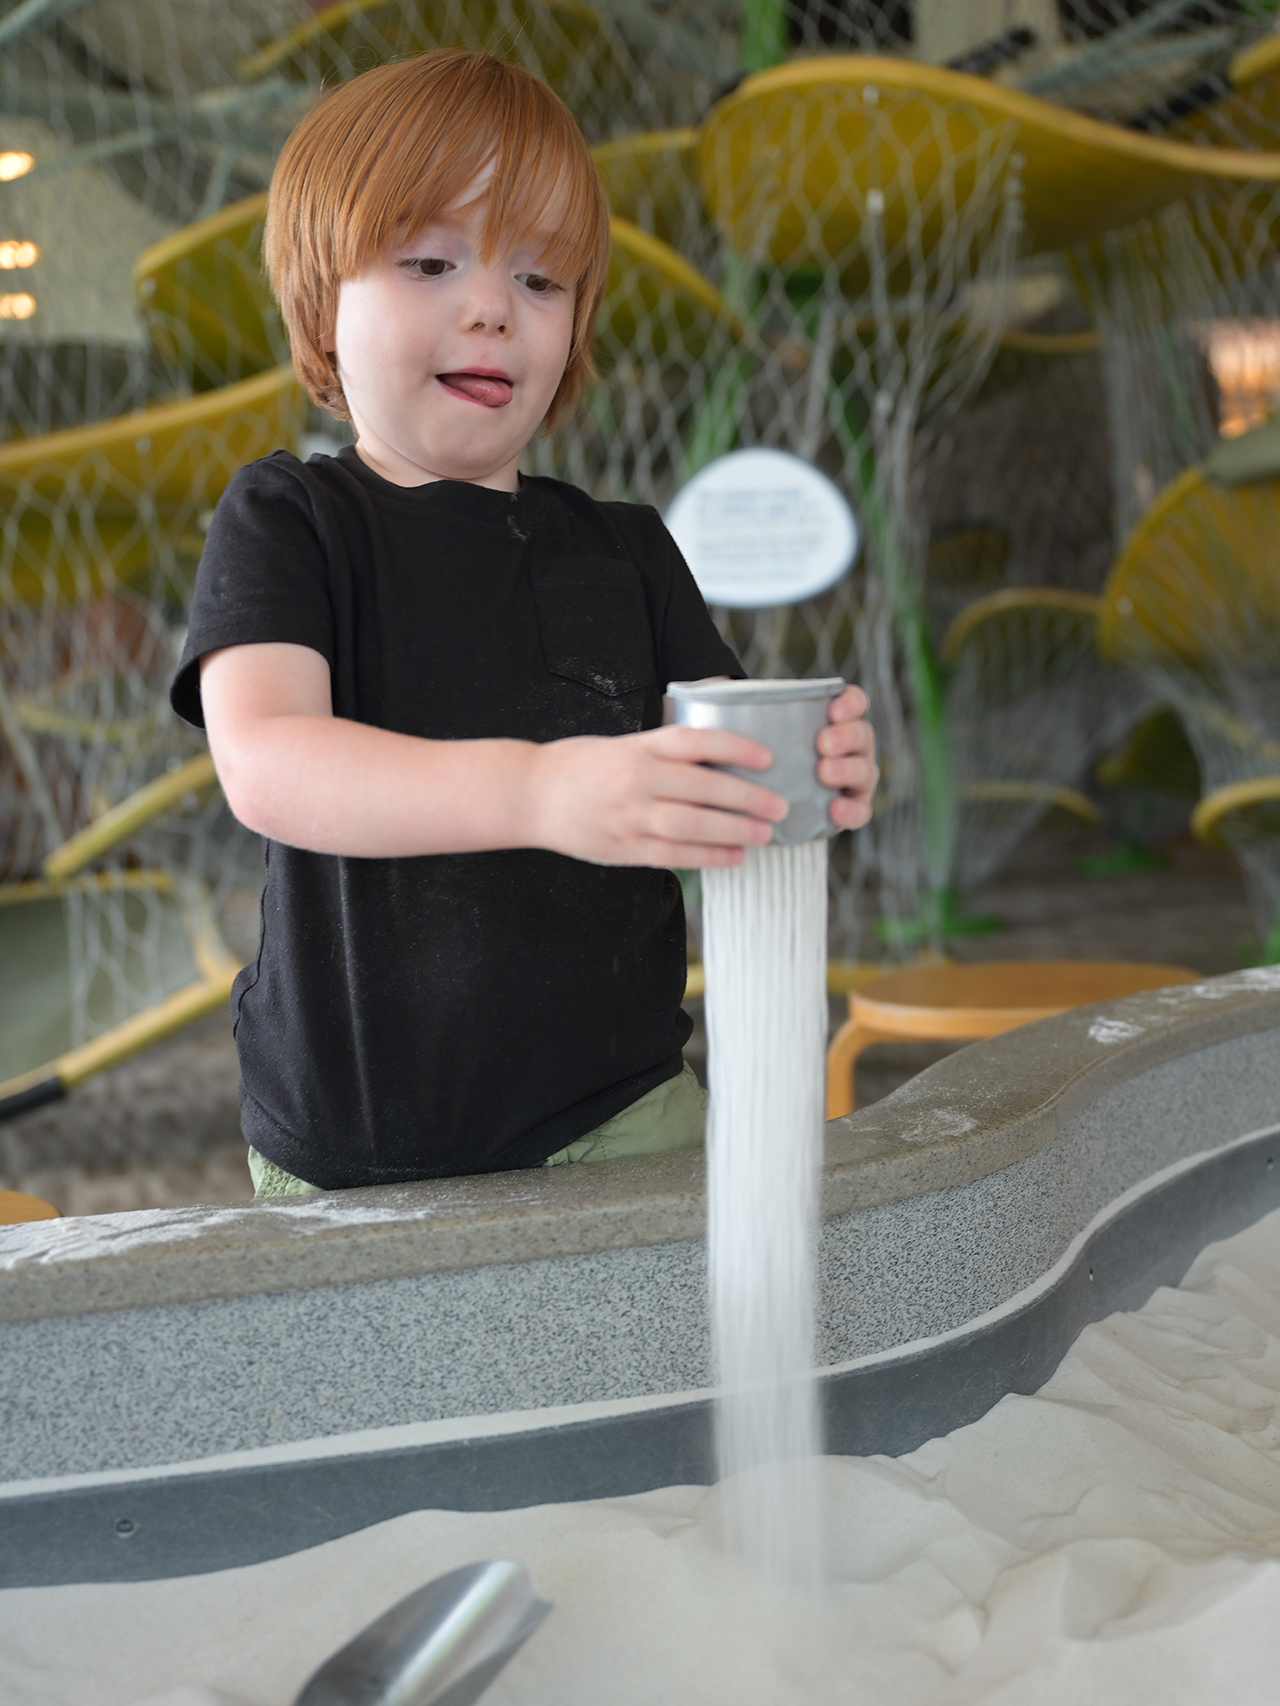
{"points": [[181, 1381], [929, 1263], [976, 1112], [1022, 1140]]}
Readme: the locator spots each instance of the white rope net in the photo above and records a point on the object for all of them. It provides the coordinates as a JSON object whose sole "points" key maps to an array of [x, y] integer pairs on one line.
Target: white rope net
{"points": [[833, 273], [1194, 608], [862, 241]]}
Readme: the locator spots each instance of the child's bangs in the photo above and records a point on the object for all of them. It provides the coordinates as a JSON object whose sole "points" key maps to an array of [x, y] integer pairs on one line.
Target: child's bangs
{"points": [[541, 190], [546, 194]]}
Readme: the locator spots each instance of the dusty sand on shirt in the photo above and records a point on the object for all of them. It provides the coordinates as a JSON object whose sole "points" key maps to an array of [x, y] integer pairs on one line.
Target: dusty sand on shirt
{"points": [[1114, 1539]]}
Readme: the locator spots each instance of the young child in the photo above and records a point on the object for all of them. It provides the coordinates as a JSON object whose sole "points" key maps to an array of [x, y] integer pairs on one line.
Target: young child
{"points": [[435, 686]]}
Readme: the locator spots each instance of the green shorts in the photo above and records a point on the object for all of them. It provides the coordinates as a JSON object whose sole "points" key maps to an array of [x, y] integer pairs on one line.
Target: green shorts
{"points": [[670, 1116]]}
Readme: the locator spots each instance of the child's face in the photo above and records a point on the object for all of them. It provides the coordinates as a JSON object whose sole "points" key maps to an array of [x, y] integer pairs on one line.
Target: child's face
{"points": [[448, 363]]}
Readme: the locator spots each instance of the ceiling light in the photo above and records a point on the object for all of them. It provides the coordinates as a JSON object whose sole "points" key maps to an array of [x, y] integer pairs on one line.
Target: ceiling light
{"points": [[15, 254], [13, 163], [17, 307]]}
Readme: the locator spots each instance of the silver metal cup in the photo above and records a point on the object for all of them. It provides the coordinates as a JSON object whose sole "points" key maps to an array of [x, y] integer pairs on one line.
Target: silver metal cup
{"points": [[785, 716]]}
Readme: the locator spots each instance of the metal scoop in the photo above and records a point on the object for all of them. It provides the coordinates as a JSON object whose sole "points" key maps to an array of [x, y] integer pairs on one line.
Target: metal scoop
{"points": [[441, 1646]]}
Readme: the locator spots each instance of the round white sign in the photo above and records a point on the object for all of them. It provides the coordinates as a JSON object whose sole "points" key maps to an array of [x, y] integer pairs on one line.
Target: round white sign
{"points": [[761, 527]]}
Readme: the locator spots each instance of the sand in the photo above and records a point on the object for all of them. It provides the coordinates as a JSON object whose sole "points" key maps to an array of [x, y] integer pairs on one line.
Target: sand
{"points": [[764, 941], [1113, 1539]]}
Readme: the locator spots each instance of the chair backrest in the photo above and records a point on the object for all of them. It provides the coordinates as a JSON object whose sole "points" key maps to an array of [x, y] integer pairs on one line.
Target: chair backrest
{"points": [[1197, 585]]}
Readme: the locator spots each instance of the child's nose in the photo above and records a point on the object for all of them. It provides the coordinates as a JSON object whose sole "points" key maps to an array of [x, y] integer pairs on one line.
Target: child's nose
{"points": [[490, 305]]}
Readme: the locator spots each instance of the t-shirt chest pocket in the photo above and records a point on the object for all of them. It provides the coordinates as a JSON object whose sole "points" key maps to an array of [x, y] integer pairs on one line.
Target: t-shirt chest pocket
{"points": [[595, 624]]}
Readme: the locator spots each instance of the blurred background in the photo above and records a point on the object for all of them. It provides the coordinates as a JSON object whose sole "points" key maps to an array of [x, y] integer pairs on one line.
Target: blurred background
{"points": [[1005, 270]]}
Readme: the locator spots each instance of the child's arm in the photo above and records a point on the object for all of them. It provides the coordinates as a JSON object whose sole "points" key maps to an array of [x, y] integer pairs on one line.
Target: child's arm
{"points": [[296, 773]]}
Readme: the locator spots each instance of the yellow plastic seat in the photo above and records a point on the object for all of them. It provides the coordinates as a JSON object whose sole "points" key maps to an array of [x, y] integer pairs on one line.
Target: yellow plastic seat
{"points": [[650, 180], [950, 1002], [1248, 115], [564, 41], [789, 163], [656, 304], [17, 1206], [167, 946], [1245, 817], [89, 509], [1240, 815], [1155, 754], [1047, 796], [1030, 705], [1193, 602], [1197, 583], [208, 308]]}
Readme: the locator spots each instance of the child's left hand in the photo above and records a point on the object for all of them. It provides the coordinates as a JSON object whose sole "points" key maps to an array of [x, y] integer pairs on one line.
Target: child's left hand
{"points": [[847, 759]]}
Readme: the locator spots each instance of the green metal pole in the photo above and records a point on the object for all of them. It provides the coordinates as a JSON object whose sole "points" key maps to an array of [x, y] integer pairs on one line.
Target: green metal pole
{"points": [[764, 34]]}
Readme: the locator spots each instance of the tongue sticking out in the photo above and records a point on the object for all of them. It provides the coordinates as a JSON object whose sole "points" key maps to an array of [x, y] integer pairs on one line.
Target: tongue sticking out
{"points": [[480, 387]]}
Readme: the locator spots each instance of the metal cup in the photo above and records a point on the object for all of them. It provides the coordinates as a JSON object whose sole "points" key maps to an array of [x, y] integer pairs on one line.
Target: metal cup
{"points": [[785, 716]]}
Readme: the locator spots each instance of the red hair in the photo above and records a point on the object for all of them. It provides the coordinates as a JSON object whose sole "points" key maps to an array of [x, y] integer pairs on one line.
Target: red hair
{"points": [[389, 152]]}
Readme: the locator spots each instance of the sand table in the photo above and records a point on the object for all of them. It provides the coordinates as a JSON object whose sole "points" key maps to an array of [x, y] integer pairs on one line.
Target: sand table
{"points": [[1115, 1538]]}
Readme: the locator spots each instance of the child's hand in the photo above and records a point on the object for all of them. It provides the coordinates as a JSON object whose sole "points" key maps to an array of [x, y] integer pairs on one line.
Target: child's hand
{"points": [[847, 759], [649, 799]]}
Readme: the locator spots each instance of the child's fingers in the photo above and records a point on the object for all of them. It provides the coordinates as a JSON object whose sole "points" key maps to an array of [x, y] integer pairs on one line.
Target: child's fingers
{"points": [[695, 825], [839, 739], [851, 705], [851, 812], [857, 774], [696, 785], [709, 746]]}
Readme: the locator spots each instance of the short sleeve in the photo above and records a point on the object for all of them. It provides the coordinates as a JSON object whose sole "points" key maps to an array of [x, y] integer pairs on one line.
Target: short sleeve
{"points": [[687, 641], [263, 575]]}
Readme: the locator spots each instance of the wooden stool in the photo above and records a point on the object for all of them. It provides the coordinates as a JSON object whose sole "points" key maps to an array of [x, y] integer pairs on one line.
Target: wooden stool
{"points": [[939, 1003], [16, 1206]]}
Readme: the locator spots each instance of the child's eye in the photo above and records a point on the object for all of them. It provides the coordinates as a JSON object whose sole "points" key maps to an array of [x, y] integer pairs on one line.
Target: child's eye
{"points": [[428, 266], [538, 283]]}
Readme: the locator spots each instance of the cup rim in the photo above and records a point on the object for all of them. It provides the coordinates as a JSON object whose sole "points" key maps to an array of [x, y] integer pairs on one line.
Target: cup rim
{"points": [[766, 691]]}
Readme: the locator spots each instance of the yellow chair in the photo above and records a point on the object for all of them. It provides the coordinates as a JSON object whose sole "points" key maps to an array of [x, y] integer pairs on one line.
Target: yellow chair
{"points": [[1197, 585], [563, 41], [1193, 602], [172, 952], [656, 304], [1245, 817], [123, 502], [208, 308], [1156, 754], [1030, 705], [789, 160], [1248, 114], [950, 1003], [1240, 813], [650, 180]]}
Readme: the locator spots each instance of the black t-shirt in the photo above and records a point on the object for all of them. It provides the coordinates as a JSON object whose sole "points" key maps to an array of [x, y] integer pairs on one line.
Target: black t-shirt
{"points": [[453, 1013]]}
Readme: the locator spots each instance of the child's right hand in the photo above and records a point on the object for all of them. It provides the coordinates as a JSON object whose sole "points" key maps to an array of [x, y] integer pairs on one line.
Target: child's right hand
{"points": [[649, 799]]}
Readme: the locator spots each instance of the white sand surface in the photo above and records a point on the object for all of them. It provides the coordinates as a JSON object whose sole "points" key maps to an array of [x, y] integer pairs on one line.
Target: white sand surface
{"points": [[1114, 1539]]}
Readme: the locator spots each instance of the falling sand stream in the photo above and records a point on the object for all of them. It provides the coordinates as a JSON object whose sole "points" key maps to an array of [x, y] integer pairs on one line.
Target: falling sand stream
{"points": [[764, 946]]}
